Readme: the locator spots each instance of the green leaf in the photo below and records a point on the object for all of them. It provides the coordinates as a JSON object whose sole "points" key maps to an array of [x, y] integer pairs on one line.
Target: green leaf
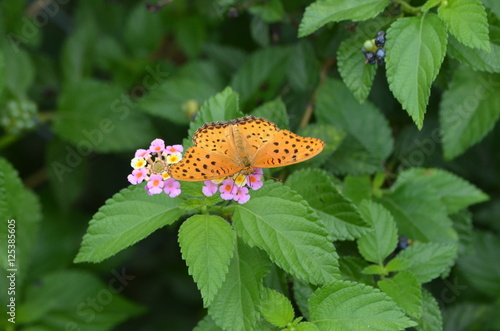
{"points": [[95, 116], [369, 141], [466, 20], [271, 11], [469, 316], [274, 111], [142, 31], [167, 100], [53, 304], [430, 4], [280, 222], [236, 305], [264, 66], [207, 243], [375, 269], [276, 308], [302, 291], [223, 106], [494, 5], [306, 326], [77, 52], [377, 244], [341, 217], [207, 324], [481, 267], [356, 74], [303, 68], [20, 215], [190, 34], [462, 222], [476, 59], [469, 110], [429, 260], [454, 192], [129, 216], [406, 203], [322, 12], [431, 319], [357, 188], [346, 306], [19, 73], [416, 47], [406, 291], [352, 268], [398, 263], [228, 59]]}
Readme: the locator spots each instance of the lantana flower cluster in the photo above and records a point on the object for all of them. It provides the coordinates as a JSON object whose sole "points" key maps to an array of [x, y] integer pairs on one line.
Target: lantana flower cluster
{"points": [[151, 165]]}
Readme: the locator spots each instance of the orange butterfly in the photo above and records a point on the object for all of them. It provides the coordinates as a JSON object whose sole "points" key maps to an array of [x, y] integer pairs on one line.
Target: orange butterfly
{"points": [[223, 149]]}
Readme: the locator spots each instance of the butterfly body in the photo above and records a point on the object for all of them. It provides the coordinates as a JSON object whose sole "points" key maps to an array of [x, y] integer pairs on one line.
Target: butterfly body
{"points": [[225, 148]]}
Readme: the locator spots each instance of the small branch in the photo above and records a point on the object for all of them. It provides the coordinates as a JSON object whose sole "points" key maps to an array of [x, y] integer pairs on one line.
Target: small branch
{"points": [[407, 7]]}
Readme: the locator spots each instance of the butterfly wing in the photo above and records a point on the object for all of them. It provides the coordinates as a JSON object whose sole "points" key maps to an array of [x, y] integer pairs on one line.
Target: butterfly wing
{"points": [[255, 132], [287, 148], [199, 165]]}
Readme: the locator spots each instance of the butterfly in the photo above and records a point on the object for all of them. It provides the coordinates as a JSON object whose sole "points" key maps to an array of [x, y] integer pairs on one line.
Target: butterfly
{"points": [[223, 149]]}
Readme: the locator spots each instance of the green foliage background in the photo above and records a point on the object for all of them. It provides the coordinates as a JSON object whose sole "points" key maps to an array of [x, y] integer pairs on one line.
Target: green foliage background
{"points": [[412, 150]]}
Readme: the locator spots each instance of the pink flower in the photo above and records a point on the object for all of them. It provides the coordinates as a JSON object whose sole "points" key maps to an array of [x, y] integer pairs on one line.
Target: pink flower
{"points": [[172, 187], [157, 146], [155, 184], [255, 181], [137, 176], [174, 149], [258, 171], [142, 153], [227, 189], [241, 195], [210, 188]]}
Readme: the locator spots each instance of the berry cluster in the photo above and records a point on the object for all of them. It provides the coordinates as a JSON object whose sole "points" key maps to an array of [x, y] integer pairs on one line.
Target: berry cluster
{"points": [[374, 49], [17, 117]]}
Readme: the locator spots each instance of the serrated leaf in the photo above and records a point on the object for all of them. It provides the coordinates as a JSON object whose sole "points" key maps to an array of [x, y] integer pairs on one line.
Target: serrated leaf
{"points": [[416, 47], [406, 291], [431, 319], [356, 74], [375, 269], [274, 111], [276, 308], [377, 244], [469, 110], [357, 188], [280, 222], [476, 59], [430, 4], [236, 305], [302, 291], [344, 306], [481, 267], [429, 260], [454, 192], [207, 243], [52, 304], [129, 216], [20, 215], [466, 20], [406, 201], [207, 324], [342, 218], [352, 268], [221, 107], [95, 116], [369, 141], [398, 263], [265, 65], [322, 12], [306, 326]]}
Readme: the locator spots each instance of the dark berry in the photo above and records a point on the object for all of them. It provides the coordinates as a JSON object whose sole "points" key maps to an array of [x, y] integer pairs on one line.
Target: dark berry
{"points": [[380, 39], [370, 58], [380, 53]]}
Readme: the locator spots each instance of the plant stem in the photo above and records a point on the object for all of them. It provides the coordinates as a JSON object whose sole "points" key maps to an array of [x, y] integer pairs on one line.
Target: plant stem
{"points": [[407, 7]]}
